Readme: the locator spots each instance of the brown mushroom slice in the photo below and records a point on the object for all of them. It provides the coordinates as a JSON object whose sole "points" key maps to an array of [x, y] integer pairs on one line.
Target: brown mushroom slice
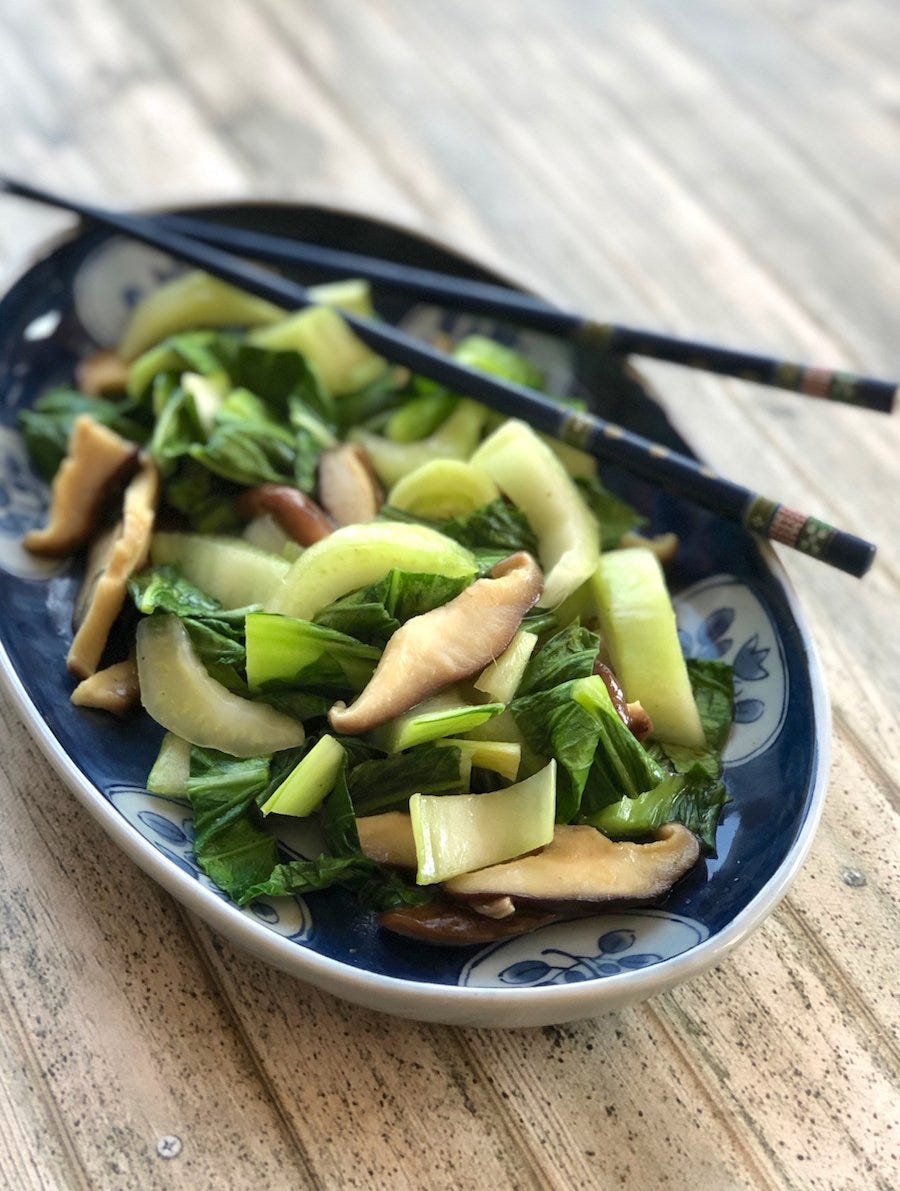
{"points": [[441, 647], [114, 689], [348, 488], [118, 556], [446, 925], [639, 720], [98, 459], [582, 870], [103, 372], [297, 514], [632, 715], [616, 694], [388, 839]]}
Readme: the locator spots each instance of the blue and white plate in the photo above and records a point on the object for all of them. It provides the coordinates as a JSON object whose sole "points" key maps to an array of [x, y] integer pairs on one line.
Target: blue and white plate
{"points": [[733, 600]]}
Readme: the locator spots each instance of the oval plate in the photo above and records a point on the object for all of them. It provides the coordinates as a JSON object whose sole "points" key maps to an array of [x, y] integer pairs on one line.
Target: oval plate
{"points": [[733, 601]]}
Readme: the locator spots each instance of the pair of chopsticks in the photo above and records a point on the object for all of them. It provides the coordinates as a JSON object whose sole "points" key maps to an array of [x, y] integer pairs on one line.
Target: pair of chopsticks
{"points": [[497, 301], [676, 473]]}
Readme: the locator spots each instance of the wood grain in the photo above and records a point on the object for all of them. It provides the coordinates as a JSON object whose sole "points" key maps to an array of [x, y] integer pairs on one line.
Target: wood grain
{"points": [[729, 170]]}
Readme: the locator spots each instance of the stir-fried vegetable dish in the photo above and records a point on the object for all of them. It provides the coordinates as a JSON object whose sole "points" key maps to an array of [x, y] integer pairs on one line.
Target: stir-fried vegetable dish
{"points": [[366, 602]]}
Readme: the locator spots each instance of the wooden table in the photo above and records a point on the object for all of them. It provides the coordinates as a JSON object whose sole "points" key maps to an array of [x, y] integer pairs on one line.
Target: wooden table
{"points": [[726, 169]]}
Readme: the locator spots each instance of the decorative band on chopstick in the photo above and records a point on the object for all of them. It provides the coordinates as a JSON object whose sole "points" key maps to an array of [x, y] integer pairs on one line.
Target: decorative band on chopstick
{"points": [[825, 383], [835, 385], [577, 428], [775, 521]]}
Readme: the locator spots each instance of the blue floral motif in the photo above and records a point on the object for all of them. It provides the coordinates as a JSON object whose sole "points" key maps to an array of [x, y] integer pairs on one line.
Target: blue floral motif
{"points": [[583, 950], [709, 641], [748, 662], [567, 967], [748, 711], [185, 863], [170, 829]]}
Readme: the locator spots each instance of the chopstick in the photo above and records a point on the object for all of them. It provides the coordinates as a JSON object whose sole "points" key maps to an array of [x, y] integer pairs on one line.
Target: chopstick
{"points": [[653, 462], [526, 310]]}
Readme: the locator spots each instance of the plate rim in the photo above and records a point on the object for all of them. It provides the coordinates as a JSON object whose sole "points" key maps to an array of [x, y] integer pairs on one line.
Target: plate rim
{"points": [[425, 1000]]}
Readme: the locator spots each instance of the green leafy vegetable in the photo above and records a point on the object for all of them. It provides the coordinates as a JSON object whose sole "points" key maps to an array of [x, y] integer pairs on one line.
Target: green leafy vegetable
{"points": [[569, 654], [165, 589], [554, 724], [271, 427], [205, 352], [230, 846], [376, 888], [338, 817], [577, 724], [284, 380], [386, 783], [540, 621], [493, 532], [178, 425], [615, 516], [693, 798], [375, 612], [621, 764], [216, 634], [713, 685], [371, 406], [207, 501], [246, 444], [47, 425], [298, 653]]}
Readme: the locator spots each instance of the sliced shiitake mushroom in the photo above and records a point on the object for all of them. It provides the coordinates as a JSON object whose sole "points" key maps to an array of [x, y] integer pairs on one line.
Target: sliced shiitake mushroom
{"points": [[388, 839], [114, 689], [348, 488], [297, 514], [582, 870], [103, 372], [97, 463], [447, 925], [441, 647], [580, 873], [632, 715], [111, 563]]}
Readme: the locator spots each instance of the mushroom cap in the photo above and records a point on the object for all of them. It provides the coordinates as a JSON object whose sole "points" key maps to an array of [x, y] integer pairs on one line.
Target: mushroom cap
{"points": [[582, 869], [97, 462], [114, 689], [580, 873], [295, 512], [115, 558], [446, 925], [441, 647], [348, 488]]}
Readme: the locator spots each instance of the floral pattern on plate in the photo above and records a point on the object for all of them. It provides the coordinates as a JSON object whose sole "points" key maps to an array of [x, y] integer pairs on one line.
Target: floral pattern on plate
{"points": [[167, 824], [587, 949], [23, 500], [723, 618]]}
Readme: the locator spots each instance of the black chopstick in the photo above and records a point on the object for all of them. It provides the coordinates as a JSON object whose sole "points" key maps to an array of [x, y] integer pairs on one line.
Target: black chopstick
{"points": [[658, 464], [484, 298]]}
